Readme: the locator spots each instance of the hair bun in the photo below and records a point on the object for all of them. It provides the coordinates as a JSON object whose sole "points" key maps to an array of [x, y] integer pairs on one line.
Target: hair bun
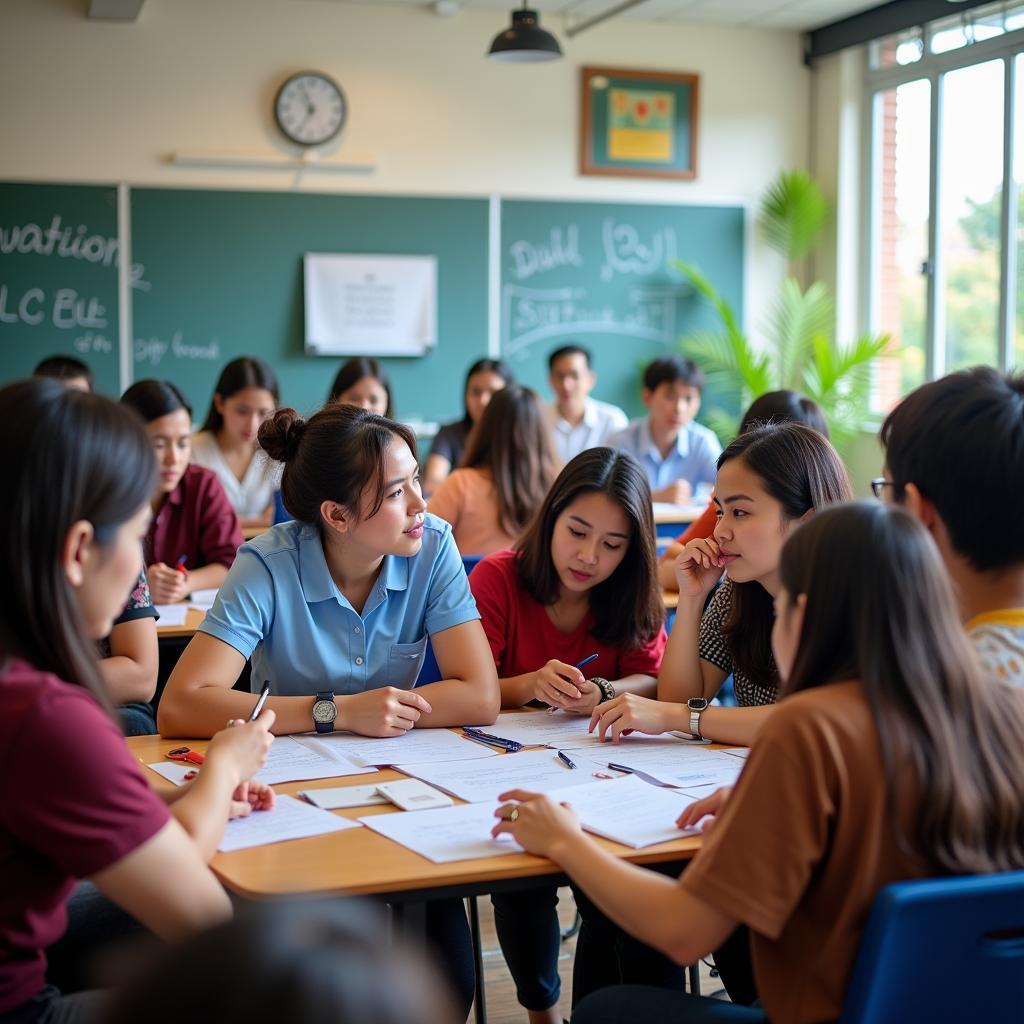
{"points": [[280, 435]]}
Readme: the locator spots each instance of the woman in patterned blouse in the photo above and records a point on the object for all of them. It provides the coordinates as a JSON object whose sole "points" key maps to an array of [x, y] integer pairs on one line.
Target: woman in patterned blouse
{"points": [[769, 480]]}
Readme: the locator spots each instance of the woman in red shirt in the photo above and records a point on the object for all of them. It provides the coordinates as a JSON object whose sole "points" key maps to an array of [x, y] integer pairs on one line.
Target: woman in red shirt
{"points": [[73, 802]]}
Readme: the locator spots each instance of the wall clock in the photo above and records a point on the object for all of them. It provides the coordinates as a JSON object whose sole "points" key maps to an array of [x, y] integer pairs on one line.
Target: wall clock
{"points": [[310, 108]]}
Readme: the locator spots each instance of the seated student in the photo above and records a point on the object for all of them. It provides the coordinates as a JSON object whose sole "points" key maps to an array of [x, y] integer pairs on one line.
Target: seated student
{"points": [[72, 523], [578, 422], [300, 962], [581, 581], [130, 661], [483, 379], [335, 609], [770, 479], [245, 395], [771, 407], [73, 372], [948, 444], [677, 454], [194, 533], [363, 382], [891, 757], [505, 475]]}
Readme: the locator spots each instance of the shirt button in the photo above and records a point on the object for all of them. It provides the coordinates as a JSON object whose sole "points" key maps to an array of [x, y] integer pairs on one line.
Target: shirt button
{"points": [[359, 661], [357, 630]]}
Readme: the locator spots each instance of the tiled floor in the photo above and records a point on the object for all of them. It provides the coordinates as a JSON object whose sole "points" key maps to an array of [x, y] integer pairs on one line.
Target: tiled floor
{"points": [[502, 1007]]}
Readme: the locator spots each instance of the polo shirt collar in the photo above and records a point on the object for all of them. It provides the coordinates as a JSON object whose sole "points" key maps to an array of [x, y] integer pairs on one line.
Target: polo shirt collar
{"points": [[317, 582]]}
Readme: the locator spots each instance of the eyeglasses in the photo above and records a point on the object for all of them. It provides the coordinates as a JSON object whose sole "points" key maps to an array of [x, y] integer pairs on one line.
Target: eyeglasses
{"points": [[878, 485]]}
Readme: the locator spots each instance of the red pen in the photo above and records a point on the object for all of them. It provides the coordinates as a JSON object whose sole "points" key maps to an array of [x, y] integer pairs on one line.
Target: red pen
{"points": [[180, 565], [186, 754]]}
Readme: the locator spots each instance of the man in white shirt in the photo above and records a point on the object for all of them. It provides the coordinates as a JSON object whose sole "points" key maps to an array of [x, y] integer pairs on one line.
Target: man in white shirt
{"points": [[578, 422]]}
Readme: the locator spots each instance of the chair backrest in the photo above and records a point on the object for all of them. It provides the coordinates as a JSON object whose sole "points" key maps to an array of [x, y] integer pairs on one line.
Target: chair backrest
{"points": [[942, 949], [281, 514], [469, 562]]}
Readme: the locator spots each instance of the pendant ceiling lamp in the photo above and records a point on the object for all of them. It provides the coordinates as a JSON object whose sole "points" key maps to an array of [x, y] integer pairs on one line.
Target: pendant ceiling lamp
{"points": [[524, 41]]}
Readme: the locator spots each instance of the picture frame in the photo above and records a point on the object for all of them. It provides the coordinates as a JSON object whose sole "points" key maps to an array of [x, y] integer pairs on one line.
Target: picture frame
{"points": [[638, 124]]}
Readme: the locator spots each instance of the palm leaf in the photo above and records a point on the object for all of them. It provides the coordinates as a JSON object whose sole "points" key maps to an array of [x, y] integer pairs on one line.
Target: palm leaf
{"points": [[792, 214], [796, 319]]}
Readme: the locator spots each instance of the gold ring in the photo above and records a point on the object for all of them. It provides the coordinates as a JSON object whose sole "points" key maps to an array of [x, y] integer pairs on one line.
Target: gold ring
{"points": [[513, 815]]}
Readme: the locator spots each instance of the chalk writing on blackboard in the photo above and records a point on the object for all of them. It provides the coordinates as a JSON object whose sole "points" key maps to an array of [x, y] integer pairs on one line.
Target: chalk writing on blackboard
{"points": [[152, 350], [625, 252]]}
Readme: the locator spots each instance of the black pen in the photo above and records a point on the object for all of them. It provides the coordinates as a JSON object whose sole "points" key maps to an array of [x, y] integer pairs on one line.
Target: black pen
{"points": [[564, 758], [620, 768], [264, 694]]}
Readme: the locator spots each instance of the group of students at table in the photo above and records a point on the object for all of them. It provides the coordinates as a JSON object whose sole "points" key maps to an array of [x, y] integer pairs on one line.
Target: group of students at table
{"points": [[887, 740]]}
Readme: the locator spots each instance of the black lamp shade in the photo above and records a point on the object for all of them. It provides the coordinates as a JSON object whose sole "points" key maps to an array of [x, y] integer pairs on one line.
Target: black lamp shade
{"points": [[525, 41]]}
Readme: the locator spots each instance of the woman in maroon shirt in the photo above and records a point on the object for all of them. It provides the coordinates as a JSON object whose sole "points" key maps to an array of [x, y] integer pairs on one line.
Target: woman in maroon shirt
{"points": [[73, 803], [194, 533]]}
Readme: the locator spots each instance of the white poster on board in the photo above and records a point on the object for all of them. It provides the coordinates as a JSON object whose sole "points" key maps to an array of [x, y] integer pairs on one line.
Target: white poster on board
{"points": [[370, 305]]}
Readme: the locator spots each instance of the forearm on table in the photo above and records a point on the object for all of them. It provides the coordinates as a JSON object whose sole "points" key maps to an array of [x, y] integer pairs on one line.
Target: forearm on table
{"points": [[638, 683], [201, 711], [648, 905], [127, 680], [518, 690], [203, 810], [458, 702], [736, 726]]}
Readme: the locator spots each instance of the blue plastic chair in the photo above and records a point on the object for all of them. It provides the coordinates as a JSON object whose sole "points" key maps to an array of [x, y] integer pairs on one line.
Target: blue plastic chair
{"points": [[281, 514], [942, 949]]}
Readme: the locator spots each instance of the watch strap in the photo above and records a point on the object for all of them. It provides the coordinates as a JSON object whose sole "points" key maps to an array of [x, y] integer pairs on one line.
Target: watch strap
{"points": [[324, 695]]}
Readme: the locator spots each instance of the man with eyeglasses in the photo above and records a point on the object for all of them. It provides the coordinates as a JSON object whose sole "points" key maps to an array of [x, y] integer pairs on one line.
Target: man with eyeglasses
{"points": [[954, 459]]}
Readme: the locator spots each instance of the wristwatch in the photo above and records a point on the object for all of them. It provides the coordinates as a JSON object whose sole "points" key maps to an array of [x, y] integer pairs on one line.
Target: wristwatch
{"points": [[606, 688], [697, 706], [325, 711]]}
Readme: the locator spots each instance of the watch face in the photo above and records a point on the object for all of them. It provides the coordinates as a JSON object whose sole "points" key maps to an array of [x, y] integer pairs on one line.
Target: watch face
{"points": [[325, 711], [310, 108]]}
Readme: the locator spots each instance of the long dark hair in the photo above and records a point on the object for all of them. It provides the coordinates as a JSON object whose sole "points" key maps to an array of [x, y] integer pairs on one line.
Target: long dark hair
{"points": [[355, 370], [71, 456], [784, 407], [239, 374], [311, 963], [495, 366], [880, 609], [803, 472], [512, 442], [333, 456], [152, 399], [627, 606]]}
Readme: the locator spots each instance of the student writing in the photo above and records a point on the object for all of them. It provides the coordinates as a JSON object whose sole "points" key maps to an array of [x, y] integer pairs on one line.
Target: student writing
{"points": [[769, 480], [890, 757], [194, 534], [245, 395], [505, 474], [74, 802]]}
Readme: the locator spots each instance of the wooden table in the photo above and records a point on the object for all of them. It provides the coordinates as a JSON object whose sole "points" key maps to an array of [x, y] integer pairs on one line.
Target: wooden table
{"points": [[362, 862], [193, 619]]}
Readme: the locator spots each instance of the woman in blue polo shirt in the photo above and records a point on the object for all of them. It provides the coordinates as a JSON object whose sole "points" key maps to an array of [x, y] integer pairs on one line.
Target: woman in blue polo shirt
{"points": [[335, 607]]}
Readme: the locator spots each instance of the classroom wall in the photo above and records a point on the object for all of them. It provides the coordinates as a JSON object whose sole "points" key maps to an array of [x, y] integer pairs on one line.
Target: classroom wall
{"points": [[110, 102]]}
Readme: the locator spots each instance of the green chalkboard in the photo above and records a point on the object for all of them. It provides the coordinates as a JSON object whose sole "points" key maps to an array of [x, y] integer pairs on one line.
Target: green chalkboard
{"points": [[225, 276], [58, 278], [600, 274]]}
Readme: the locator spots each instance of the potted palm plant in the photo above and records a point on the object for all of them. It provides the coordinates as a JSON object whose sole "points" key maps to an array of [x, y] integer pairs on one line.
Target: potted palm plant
{"points": [[802, 352]]}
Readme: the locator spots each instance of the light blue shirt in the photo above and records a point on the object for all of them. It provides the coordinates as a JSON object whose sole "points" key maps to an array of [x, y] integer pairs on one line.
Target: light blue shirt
{"points": [[694, 457], [280, 606]]}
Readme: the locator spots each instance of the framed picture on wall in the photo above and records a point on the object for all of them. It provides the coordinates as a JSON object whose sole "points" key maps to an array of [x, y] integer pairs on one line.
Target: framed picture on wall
{"points": [[638, 123]]}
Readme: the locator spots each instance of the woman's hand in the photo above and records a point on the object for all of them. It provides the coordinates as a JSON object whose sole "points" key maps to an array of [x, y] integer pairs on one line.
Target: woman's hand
{"points": [[385, 711], [250, 796], [540, 825], [564, 686], [699, 568], [166, 584], [630, 713], [709, 807], [244, 745]]}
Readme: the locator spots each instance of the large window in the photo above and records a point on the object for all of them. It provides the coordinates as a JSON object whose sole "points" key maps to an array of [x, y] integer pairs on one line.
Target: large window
{"points": [[946, 237]]}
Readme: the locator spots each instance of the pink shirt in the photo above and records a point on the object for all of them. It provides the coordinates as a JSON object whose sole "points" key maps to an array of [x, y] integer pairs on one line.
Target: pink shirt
{"points": [[523, 638], [72, 802], [468, 501], [197, 521]]}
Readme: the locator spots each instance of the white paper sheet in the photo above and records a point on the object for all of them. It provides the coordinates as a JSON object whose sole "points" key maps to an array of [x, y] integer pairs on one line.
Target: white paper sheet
{"points": [[417, 746], [290, 819], [330, 798], [737, 751], [536, 770], [298, 759], [173, 771], [673, 762], [171, 614], [203, 599], [628, 810], [541, 728], [445, 835]]}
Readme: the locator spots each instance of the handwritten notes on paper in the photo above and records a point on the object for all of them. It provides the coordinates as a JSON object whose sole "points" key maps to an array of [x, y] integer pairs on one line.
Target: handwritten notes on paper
{"points": [[300, 758], [417, 746]]}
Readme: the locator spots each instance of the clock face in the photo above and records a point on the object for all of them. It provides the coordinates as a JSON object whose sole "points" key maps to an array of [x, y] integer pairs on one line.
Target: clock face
{"points": [[310, 108]]}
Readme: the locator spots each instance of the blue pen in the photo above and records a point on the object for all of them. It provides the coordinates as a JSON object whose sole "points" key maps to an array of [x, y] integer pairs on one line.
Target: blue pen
{"points": [[511, 746]]}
